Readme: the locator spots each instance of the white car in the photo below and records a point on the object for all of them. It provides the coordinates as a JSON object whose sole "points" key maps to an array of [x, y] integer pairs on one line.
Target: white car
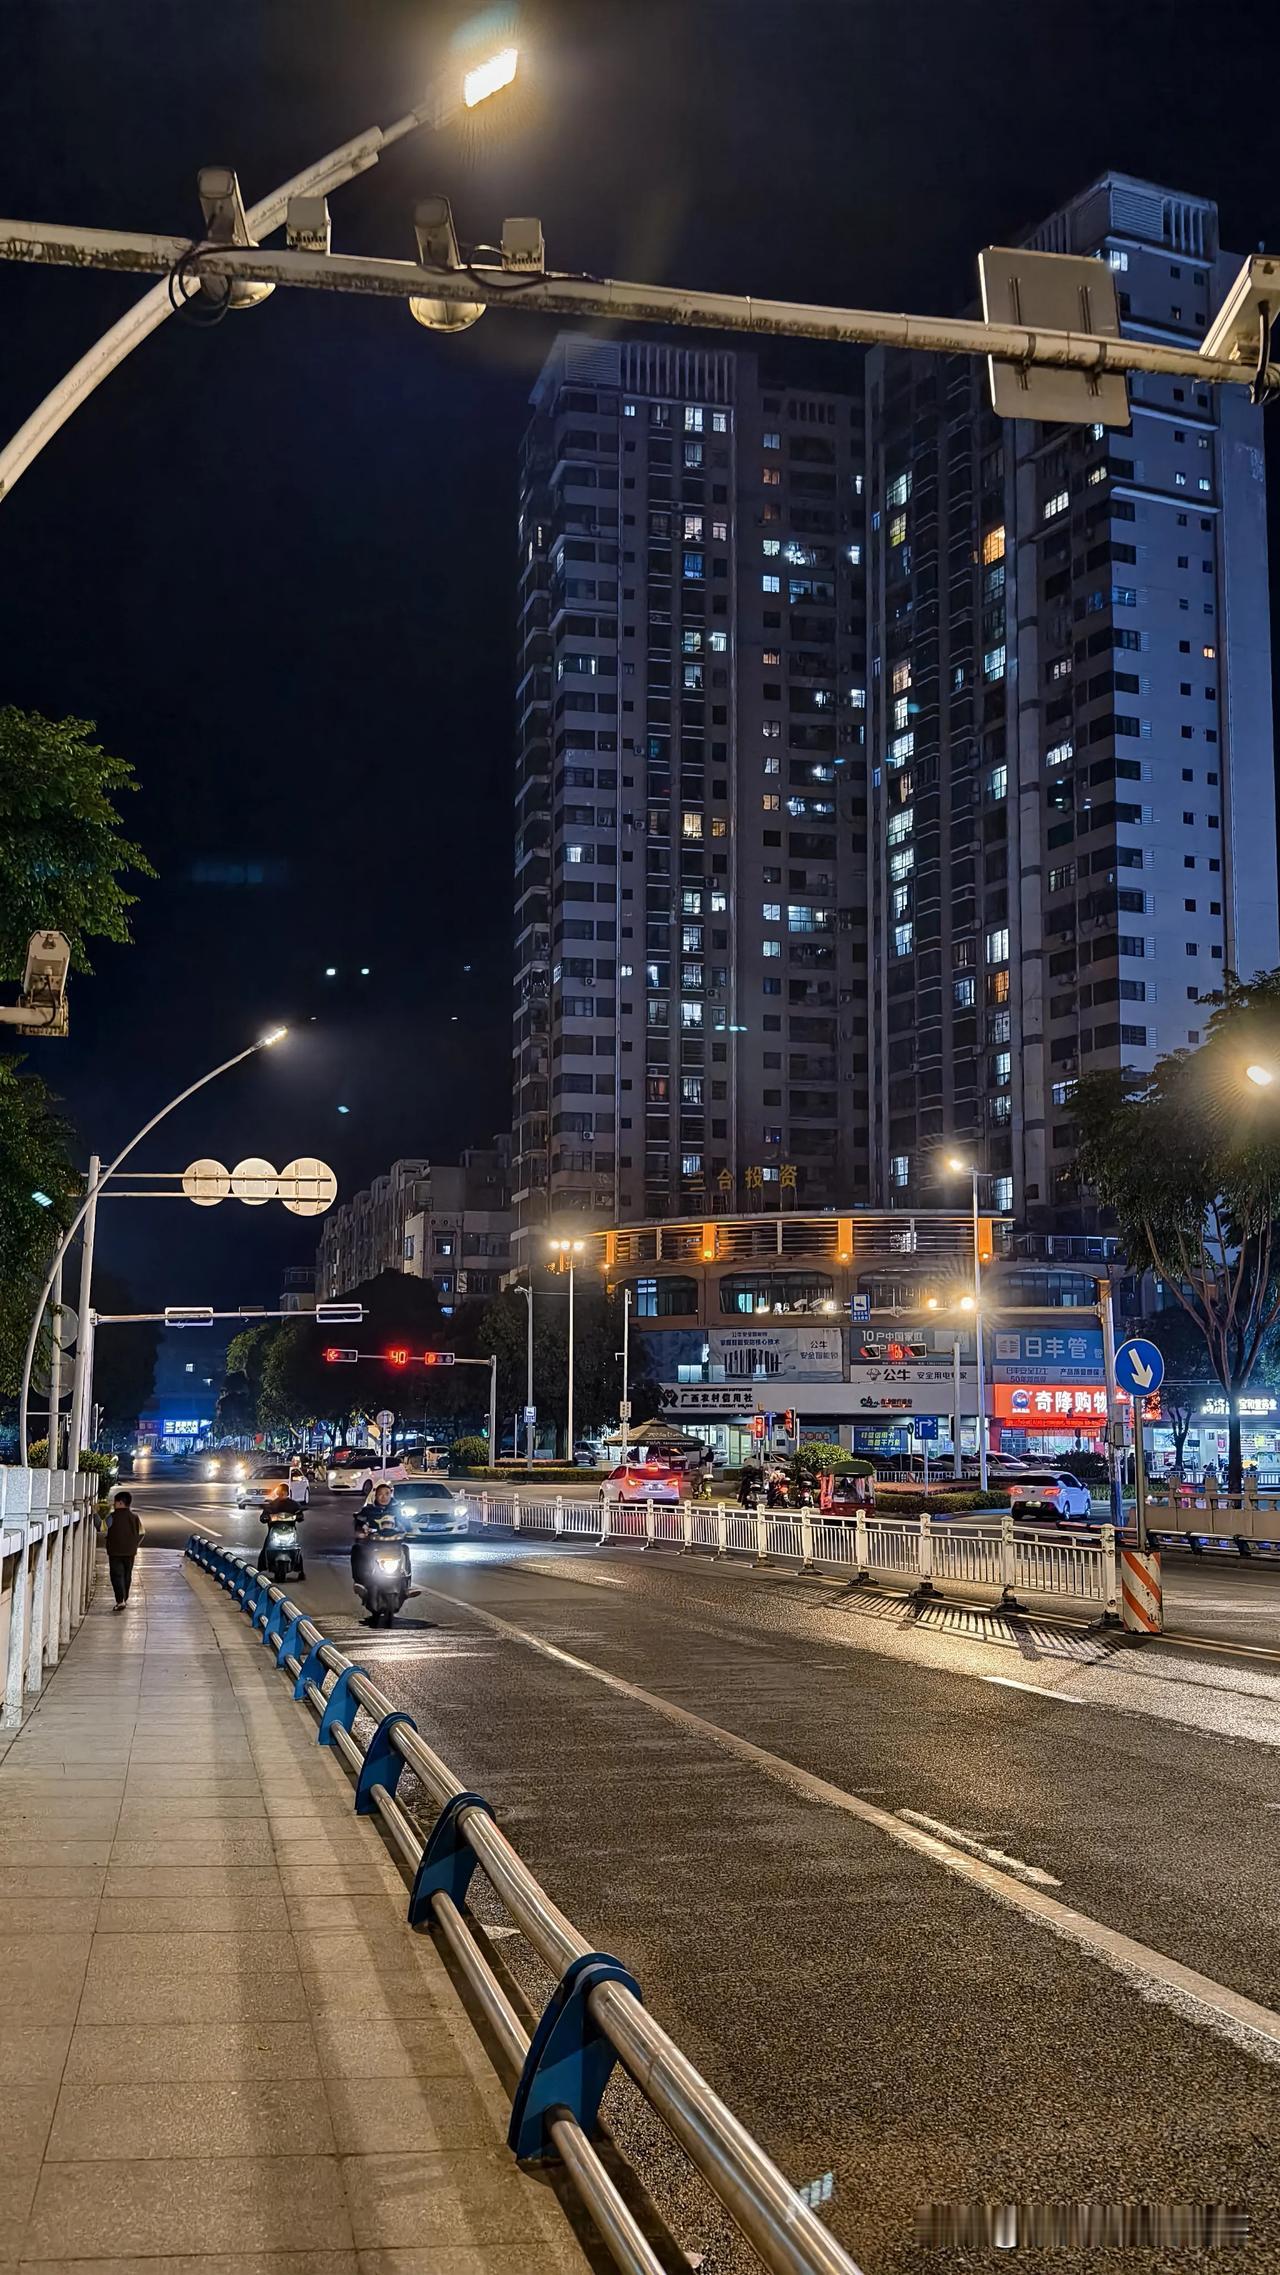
{"points": [[354, 1476], [641, 1481], [252, 1486], [426, 1509], [1050, 1494]]}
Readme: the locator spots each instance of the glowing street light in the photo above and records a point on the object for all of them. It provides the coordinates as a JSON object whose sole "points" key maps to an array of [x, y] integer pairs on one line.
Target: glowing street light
{"points": [[489, 77], [1261, 1076]]}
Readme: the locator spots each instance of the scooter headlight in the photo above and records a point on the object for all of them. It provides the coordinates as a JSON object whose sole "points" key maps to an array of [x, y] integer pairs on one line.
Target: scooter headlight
{"points": [[388, 1563]]}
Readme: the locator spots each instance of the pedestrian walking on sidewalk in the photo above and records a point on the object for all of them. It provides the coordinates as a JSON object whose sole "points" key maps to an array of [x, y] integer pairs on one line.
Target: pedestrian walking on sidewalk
{"points": [[124, 1531]]}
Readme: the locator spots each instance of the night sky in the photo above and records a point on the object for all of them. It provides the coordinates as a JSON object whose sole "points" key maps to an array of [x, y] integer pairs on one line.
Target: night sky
{"points": [[274, 560]]}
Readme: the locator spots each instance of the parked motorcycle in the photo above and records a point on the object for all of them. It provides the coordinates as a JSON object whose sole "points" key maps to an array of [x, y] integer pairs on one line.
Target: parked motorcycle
{"points": [[385, 1578], [281, 1553]]}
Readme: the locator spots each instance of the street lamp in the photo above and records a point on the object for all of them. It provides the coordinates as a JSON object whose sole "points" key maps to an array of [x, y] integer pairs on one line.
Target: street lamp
{"points": [[530, 1424], [960, 1168], [446, 99], [89, 1204], [1261, 1077], [565, 1254], [625, 1416]]}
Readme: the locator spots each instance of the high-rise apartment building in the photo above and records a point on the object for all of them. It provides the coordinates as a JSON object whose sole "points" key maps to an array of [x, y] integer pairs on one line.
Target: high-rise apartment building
{"points": [[690, 1014], [1073, 794]]}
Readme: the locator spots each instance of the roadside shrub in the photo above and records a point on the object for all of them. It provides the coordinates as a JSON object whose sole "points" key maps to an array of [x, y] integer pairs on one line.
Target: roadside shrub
{"points": [[821, 1458], [466, 1454], [900, 1500]]}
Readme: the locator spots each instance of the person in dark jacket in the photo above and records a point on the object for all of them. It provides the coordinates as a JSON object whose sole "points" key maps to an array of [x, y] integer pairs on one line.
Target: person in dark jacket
{"points": [[124, 1531]]}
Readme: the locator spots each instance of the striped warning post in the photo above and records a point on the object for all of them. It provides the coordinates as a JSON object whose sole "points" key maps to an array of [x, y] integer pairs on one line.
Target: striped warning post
{"points": [[1140, 1598]]}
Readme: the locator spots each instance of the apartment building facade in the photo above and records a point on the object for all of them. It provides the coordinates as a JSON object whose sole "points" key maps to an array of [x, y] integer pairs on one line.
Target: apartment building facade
{"points": [[1073, 796], [690, 873], [448, 1222]]}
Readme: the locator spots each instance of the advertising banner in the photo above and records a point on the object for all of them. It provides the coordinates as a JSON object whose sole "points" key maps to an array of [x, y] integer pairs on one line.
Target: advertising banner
{"points": [[1048, 1354], [766, 1353]]}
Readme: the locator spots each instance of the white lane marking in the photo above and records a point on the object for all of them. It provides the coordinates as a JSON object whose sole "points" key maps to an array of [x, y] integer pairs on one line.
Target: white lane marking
{"points": [[1153, 1974], [970, 1841], [1038, 1690]]}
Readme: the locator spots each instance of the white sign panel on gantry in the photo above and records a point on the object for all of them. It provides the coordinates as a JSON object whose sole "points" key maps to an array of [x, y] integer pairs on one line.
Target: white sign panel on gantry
{"points": [[767, 1353]]}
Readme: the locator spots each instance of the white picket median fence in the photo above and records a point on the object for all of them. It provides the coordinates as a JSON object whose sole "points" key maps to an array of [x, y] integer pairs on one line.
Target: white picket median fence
{"points": [[48, 1554], [935, 1553]]}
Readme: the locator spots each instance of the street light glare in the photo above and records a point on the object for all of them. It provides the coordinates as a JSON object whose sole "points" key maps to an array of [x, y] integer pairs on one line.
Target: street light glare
{"points": [[273, 1036], [1261, 1076], [960, 1167], [488, 78], [967, 1303]]}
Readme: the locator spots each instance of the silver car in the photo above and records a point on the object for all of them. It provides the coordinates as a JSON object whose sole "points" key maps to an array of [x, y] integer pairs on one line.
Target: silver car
{"points": [[425, 1509]]}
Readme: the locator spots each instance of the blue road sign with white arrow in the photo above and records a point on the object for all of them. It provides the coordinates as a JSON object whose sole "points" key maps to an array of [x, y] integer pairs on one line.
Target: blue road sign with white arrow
{"points": [[1139, 1367]]}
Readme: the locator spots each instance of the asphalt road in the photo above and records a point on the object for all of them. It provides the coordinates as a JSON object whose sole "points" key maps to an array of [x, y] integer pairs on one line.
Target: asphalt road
{"points": [[893, 2016]]}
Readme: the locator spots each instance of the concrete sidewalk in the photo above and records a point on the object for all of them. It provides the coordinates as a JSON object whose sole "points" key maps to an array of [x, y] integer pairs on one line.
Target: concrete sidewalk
{"points": [[222, 2051]]}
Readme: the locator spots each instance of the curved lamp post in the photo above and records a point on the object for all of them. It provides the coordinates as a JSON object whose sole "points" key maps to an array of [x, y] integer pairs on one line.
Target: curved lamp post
{"points": [[446, 99], [264, 1043]]}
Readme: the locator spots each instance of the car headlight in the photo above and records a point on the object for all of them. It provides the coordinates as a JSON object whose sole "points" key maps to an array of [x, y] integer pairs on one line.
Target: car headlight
{"points": [[460, 1508]]}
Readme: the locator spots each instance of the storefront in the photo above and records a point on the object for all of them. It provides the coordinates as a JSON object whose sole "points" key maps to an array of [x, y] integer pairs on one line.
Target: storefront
{"points": [[1207, 1442]]}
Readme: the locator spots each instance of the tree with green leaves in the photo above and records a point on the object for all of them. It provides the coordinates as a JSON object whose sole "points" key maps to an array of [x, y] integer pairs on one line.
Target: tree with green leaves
{"points": [[597, 1342], [1187, 1159], [62, 855], [124, 1358], [34, 1158]]}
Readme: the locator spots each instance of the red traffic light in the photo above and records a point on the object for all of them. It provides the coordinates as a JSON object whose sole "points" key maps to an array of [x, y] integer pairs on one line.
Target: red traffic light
{"points": [[340, 1358], [757, 1425], [437, 1358], [397, 1358]]}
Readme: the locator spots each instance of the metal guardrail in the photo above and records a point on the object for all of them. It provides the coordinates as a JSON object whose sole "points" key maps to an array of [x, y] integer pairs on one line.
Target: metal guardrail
{"points": [[48, 1558], [1014, 1560], [594, 2018]]}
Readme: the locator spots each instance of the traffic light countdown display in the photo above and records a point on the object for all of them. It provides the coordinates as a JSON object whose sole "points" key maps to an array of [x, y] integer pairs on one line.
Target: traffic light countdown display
{"points": [[399, 1357]]}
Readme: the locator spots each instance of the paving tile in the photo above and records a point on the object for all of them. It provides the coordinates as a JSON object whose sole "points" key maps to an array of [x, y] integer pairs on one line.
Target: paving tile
{"points": [[41, 1976], [229, 1912], [143, 2207], [251, 1951], [164, 1883], [377, 1909], [402, 2046], [375, 1876], [221, 1847], [59, 1884], [47, 1915], [556, 2253], [412, 2115], [143, 2053], [194, 1998], [452, 2197], [223, 2263], [18, 2179], [190, 1832], [34, 1850], [204, 2118], [28, 2114], [394, 1993], [32, 2053]]}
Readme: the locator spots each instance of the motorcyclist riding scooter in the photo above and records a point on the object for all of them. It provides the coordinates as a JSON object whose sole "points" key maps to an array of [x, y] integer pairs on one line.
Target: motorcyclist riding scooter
{"points": [[381, 1573], [281, 1551]]}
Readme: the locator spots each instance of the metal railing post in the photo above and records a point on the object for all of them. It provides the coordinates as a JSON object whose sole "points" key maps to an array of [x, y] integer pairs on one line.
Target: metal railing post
{"points": [[39, 1596], [71, 1520], [1110, 1573], [806, 1541], [924, 1564], [762, 1537], [862, 1543], [484, 1506], [515, 1510], [722, 1530], [1008, 1551], [54, 1536], [557, 1522], [648, 1522], [15, 1506]]}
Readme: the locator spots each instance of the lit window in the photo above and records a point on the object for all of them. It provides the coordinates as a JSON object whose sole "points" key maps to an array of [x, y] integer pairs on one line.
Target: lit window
{"points": [[690, 975], [719, 643], [993, 663], [628, 410], [854, 555], [691, 1164], [720, 531], [690, 825], [693, 454], [901, 748], [626, 971], [964, 993], [771, 477], [771, 655], [1002, 1068], [692, 420], [900, 1169], [1117, 260], [772, 441], [901, 901], [772, 548], [771, 947], [1060, 754], [693, 675], [575, 853], [719, 902], [1179, 481], [901, 678], [903, 936], [772, 730], [1058, 503], [901, 825], [690, 1014], [902, 862], [772, 764], [719, 422], [898, 529], [771, 803], [901, 711], [772, 912], [693, 528], [1208, 652], [998, 782], [998, 945], [1002, 1193], [770, 584], [857, 698], [1096, 474], [899, 490], [1203, 482], [719, 826], [691, 643], [693, 566]]}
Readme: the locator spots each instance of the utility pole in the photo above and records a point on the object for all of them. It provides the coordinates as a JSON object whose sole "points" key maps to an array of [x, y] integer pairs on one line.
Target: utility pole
{"points": [[957, 1464], [624, 1410], [1115, 1423], [55, 1368], [82, 1371]]}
